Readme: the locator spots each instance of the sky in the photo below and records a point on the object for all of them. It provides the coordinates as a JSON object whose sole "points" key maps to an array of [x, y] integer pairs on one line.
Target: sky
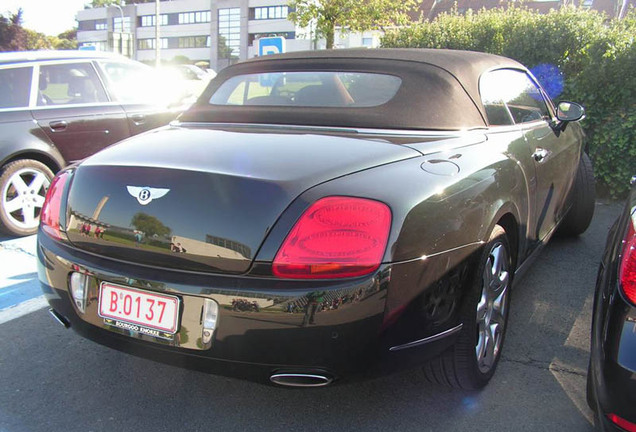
{"points": [[50, 17]]}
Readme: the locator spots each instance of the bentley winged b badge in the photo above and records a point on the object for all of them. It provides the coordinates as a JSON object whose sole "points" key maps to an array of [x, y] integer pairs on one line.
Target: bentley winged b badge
{"points": [[145, 194]]}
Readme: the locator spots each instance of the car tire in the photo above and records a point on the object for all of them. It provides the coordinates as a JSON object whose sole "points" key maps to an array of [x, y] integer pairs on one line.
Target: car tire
{"points": [[23, 186], [471, 362], [583, 198]]}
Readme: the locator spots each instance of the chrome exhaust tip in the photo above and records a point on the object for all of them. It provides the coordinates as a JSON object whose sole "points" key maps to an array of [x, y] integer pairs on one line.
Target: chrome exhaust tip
{"points": [[295, 379], [59, 318]]}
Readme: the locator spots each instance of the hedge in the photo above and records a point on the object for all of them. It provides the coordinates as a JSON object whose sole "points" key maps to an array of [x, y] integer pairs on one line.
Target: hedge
{"points": [[593, 57]]}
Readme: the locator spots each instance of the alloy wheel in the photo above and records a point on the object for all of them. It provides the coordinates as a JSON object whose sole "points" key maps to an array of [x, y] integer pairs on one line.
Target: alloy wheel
{"points": [[491, 308]]}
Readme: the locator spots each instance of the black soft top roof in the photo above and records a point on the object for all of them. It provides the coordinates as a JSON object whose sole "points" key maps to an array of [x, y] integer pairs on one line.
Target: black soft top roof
{"points": [[439, 91]]}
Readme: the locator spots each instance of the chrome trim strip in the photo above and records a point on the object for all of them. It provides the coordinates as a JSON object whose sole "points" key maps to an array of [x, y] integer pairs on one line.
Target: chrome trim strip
{"points": [[429, 339], [425, 257], [362, 131]]}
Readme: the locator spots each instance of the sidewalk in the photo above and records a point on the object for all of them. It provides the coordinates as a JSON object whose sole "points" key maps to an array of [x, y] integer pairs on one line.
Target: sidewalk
{"points": [[20, 292]]}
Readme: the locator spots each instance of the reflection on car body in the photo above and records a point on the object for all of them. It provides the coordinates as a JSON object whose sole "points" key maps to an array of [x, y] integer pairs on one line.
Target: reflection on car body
{"points": [[318, 227]]}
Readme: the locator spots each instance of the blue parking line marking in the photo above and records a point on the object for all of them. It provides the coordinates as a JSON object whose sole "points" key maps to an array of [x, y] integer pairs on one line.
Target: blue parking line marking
{"points": [[21, 292]]}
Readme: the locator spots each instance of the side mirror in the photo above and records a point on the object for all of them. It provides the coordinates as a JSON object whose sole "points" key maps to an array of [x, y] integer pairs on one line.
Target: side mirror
{"points": [[569, 112]]}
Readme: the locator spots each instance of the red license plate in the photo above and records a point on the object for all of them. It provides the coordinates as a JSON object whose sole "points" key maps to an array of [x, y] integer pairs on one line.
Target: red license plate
{"points": [[143, 308]]}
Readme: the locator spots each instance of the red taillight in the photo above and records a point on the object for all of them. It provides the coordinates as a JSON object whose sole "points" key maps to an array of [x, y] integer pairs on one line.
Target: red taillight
{"points": [[628, 262], [50, 216], [625, 424], [336, 237]]}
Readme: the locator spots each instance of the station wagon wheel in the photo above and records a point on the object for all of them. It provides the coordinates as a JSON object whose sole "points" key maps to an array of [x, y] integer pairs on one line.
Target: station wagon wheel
{"points": [[472, 361], [23, 185]]}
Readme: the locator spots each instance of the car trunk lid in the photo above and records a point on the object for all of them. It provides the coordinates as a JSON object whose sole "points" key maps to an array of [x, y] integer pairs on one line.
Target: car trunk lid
{"points": [[199, 199]]}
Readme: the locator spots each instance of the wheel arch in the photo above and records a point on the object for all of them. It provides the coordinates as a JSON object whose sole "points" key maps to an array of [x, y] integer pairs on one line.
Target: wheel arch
{"points": [[53, 163], [510, 223]]}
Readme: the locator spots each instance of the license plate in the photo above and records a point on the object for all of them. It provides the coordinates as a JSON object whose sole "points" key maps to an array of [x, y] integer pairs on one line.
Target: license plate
{"points": [[138, 307]]}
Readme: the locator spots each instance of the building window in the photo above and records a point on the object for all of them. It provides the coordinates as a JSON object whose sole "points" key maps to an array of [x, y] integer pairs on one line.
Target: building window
{"points": [[148, 44], [149, 20], [194, 42], [269, 12], [117, 27], [195, 17], [88, 25], [367, 42], [229, 33]]}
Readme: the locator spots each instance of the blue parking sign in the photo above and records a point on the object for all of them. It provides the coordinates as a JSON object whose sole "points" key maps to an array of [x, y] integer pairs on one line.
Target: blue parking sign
{"points": [[271, 45]]}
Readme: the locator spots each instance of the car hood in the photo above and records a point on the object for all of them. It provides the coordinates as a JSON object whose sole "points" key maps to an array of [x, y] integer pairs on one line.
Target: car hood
{"points": [[202, 199]]}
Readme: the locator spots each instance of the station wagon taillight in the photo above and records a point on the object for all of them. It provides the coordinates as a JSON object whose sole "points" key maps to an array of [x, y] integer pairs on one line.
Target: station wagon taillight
{"points": [[50, 215], [627, 272], [336, 237]]}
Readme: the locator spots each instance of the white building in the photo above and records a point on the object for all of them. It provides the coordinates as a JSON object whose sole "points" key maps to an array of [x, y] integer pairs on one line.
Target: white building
{"points": [[218, 31]]}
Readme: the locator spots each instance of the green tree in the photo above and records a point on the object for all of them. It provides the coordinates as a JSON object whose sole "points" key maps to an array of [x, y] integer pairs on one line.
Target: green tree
{"points": [[349, 15], [104, 3], [13, 37], [149, 225], [594, 55], [66, 40]]}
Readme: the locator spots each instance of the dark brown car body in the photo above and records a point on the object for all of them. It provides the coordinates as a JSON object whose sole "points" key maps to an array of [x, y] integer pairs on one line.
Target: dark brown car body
{"points": [[465, 196]]}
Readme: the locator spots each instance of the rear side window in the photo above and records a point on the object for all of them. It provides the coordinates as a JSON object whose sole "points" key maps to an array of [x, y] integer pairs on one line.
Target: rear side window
{"points": [[69, 84], [510, 94], [131, 82], [15, 86], [308, 89]]}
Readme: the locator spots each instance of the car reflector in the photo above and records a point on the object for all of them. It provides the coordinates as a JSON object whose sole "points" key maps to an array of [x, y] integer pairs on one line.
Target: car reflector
{"points": [[78, 284], [210, 317]]}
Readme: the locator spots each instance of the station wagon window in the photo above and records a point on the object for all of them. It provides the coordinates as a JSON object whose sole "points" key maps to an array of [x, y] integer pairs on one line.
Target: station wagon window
{"points": [[508, 93], [308, 89], [131, 82], [15, 86], [69, 84]]}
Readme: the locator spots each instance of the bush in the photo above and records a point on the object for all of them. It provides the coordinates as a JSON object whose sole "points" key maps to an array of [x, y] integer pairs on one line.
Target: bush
{"points": [[595, 58]]}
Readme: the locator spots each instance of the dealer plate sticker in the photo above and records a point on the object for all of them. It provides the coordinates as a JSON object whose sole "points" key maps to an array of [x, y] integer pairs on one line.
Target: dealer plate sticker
{"points": [[139, 308]]}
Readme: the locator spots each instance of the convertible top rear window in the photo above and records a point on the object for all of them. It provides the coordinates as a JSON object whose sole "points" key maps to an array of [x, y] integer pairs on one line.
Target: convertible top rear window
{"points": [[308, 89]]}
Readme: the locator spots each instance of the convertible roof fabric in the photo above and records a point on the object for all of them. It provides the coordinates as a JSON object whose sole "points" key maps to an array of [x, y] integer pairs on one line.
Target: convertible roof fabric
{"points": [[440, 90]]}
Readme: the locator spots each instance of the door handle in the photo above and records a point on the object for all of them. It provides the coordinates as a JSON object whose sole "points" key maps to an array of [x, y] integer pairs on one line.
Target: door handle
{"points": [[540, 154], [138, 119], [58, 125]]}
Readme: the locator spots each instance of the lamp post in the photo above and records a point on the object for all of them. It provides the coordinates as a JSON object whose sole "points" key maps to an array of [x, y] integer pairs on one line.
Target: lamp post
{"points": [[121, 34], [157, 38]]}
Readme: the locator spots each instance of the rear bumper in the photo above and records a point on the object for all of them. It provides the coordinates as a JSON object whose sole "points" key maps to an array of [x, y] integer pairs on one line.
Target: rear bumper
{"points": [[347, 337]]}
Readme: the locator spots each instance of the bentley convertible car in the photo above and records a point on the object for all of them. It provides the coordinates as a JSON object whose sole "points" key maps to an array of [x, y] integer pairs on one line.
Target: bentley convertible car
{"points": [[320, 216]]}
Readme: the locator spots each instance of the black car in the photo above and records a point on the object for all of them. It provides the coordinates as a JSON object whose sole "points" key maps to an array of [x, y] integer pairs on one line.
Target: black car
{"points": [[322, 215], [58, 107], [611, 377]]}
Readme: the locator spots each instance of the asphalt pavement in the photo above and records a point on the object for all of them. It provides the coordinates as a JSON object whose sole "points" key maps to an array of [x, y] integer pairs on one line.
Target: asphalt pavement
{"points": [[53, 380]]}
